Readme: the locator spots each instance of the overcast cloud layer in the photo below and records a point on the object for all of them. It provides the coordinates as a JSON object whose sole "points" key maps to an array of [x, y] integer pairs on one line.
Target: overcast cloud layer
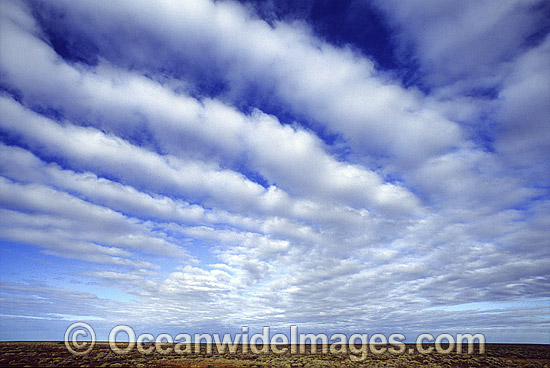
{"points": [[198, 166]]}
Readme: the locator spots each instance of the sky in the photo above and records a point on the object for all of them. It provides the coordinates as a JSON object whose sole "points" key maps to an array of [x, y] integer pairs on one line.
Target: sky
{"points": [[344, 166]]}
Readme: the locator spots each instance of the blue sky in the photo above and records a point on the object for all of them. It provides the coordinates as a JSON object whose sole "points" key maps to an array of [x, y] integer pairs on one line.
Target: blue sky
{"points": [[344, 166]]}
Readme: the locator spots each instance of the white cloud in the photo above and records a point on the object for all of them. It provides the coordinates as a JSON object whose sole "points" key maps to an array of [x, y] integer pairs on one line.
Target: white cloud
{"points": [[335, 87], [291, 158], [463, 44], [524, 110], [43, 216]]}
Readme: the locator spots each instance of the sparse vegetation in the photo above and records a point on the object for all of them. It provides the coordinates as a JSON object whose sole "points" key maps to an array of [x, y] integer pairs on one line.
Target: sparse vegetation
{"points": [[54, 354]]}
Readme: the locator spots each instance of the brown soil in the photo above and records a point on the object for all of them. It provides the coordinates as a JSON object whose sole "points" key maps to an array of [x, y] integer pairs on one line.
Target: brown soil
{"points": [[55, 354]]}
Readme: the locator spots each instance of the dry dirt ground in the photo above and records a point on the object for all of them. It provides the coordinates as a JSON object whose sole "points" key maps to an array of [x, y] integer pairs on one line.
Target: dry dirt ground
{"points": [[55, 354]]}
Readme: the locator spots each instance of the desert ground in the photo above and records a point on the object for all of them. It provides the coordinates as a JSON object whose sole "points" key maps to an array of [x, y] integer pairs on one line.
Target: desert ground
{"points": [[55, 354]]}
